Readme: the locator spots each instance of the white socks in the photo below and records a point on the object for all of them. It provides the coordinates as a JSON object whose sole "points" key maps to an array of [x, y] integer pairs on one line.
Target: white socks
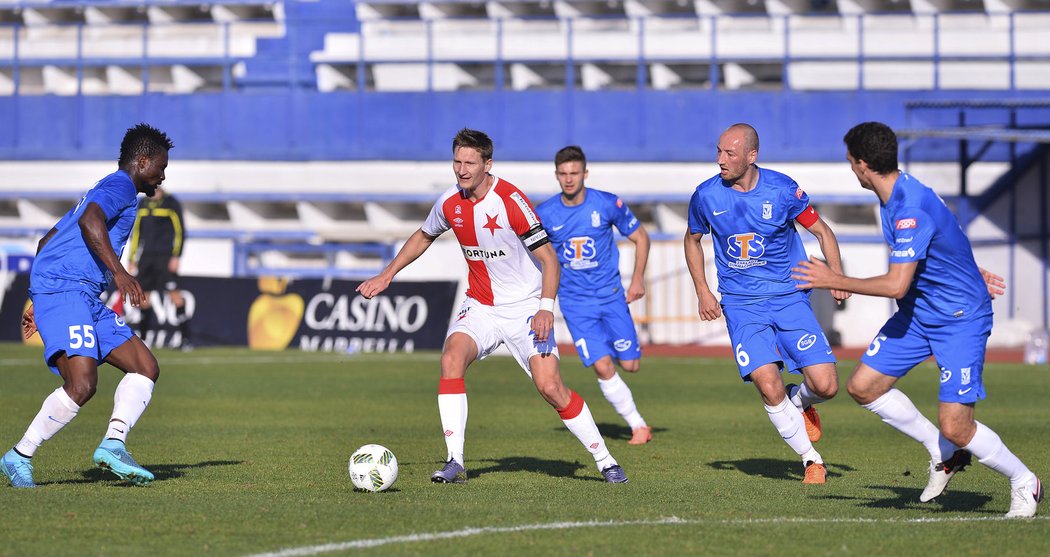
{"points": [[991, 452], [57, 411], [129, 402], [578, 419], [452, 405], [803, 397], [788, 421], [897, 410], [619, 395]]}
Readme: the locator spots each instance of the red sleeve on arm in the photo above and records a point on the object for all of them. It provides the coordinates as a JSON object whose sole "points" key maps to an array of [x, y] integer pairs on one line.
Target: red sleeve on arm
{"points": [[807, 217]]}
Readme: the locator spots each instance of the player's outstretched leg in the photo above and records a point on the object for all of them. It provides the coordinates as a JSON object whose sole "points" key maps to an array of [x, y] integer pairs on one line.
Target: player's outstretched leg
{"points": [[1025, 488], [809, 412], [18, 469], [112, 455], [577, 417], [942, 472]]}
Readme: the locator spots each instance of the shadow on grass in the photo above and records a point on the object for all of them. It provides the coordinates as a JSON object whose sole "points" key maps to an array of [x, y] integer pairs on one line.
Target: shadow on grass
{"points": [[908, 498], [556, 468], [775, 468], [620, 432], [161, 472]]}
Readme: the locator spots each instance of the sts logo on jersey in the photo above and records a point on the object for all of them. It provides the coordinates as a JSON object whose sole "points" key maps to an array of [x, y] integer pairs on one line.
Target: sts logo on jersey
{"points": [[579, 253], [746, 249]]}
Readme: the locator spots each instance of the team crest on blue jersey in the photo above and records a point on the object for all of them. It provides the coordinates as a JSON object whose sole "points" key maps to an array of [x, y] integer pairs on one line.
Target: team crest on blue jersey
{"points": [[746, 249], [580, 252], [767, 210], [596, 219], [119, 321]]}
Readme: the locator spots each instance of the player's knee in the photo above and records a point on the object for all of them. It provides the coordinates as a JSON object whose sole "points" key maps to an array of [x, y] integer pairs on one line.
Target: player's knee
{"points": [[452, 366], [631, 366], [554, 392], [859, 393], [827, 390], [80, 390]]}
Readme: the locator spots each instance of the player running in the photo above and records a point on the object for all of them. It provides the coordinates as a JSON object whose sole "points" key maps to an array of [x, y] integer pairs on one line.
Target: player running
{"points": [[580, 224], [512, 282], [944, 310], [74, 263], [750, 213]]}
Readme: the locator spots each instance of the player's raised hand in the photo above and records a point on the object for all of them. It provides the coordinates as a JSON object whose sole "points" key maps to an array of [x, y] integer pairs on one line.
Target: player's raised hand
{"points": [[635, 291], [995, 283], [373, 286], [28, 323], [129, 288], [708, 307], [543, 324]]}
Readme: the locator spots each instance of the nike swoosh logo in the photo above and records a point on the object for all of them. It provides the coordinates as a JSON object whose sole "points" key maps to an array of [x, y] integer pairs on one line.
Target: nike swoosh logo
{"points": [[52, 418], [557, 228], [716, 213], [964, 391]]}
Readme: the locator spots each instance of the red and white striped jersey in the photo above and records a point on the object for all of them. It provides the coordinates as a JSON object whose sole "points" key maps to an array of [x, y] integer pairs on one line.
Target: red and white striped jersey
{"points": [[496, 234]]}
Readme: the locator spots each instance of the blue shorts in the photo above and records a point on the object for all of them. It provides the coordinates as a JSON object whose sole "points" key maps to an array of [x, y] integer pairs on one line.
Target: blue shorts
{"points": [[78, 324], [781, 330], [599, 330], [904, 343]]}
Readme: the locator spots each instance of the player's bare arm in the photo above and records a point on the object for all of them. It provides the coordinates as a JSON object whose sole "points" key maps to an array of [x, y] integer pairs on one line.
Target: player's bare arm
{"points": [[640, 239], [894, 284], [707, 305], [93, 227], [543, 321], [829, 246], [415, 246], [47, 238], [995, 283]]}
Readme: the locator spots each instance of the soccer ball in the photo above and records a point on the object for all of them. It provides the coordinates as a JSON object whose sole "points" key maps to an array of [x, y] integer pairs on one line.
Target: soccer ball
{"points": [[373, 468]]}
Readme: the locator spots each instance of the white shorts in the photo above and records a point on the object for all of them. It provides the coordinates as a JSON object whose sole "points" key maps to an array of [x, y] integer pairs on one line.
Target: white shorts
{"points": [[509, 324]]}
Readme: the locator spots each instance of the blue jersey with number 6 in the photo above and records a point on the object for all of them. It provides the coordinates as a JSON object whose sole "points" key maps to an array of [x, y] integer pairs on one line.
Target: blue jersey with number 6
{"points": [[66, 263], [753, 233]]}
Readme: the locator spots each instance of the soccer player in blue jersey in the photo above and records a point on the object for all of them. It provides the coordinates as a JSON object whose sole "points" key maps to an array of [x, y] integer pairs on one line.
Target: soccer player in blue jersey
{"points": [[580, 224], [750, 213], [75, 261], [944, 309]]}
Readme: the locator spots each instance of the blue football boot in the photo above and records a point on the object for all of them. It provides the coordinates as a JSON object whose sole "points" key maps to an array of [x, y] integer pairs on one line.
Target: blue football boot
{"points": [[18, 469], [111, 455]]}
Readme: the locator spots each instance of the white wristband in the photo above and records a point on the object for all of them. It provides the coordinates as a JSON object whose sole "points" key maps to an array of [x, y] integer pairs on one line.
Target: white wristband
{"points": [[547, 304]]}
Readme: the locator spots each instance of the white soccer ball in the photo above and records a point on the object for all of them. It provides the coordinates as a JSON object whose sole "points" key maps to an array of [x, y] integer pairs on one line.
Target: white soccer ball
{"points": [[373, 468]]}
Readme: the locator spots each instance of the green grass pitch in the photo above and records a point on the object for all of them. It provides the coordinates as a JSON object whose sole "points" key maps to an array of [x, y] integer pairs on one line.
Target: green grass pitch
{"points": [[250, 452]]}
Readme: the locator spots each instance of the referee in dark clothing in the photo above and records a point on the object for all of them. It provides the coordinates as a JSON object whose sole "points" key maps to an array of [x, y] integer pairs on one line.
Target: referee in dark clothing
{"points": [[156, 246]]}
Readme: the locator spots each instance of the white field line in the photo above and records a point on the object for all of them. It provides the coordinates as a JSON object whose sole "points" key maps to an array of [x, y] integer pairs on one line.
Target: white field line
{"points": [[468, 532]]}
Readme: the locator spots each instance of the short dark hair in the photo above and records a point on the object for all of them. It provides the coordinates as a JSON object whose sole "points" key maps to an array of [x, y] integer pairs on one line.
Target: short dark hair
{"points": [[475, 140], [571, 153], [142, 140], [874, 143]]}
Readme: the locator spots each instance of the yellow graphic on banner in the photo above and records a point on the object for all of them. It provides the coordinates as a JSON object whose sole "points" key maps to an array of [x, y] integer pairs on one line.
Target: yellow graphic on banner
{"points": [[274, 316]]}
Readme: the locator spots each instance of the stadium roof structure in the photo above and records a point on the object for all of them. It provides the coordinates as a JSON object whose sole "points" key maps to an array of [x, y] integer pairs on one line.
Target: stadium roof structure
{"points": [[1011, 135]]}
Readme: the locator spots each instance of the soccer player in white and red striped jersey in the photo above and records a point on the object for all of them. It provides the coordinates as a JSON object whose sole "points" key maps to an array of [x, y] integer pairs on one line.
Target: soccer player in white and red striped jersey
{"points": [[512, 282]]}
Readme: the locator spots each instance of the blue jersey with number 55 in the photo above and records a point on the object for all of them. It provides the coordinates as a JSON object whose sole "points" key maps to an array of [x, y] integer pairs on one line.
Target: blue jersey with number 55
{"points": [[65, 263]]}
